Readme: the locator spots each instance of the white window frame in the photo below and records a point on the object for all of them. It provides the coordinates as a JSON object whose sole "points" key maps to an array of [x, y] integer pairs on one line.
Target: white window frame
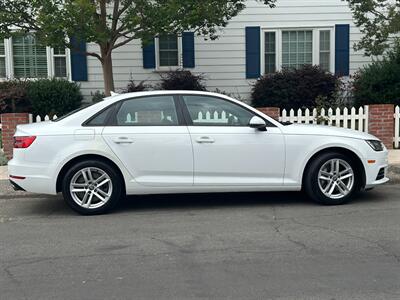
{"points": [[4, 56], [315, 50], [157, 54], [50, 62]]}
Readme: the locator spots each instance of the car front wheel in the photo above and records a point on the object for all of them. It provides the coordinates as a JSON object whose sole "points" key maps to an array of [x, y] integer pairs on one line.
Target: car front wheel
{"points": [[331, 179], [92, 187]]}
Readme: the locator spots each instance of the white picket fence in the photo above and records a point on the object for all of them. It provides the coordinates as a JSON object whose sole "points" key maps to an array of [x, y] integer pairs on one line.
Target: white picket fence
{"points": [[353, 118], [397, 127], [39, 119], [215, 117]]}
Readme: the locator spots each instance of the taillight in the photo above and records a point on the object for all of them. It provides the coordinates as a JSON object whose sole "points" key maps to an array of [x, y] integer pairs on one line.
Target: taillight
{"points": [[23, 141]]}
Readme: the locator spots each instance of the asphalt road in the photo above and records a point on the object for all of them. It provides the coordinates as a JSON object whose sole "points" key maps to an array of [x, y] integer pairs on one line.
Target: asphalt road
{"points": [[237, 246]]}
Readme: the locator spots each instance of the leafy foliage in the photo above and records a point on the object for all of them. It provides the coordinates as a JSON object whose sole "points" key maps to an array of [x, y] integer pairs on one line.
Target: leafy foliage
{"points": [[182, 80], [379, 21], [53, 96], [97, 96], [114, 23], [378, 83], [13, 98], [136, 87], [295, 88]]}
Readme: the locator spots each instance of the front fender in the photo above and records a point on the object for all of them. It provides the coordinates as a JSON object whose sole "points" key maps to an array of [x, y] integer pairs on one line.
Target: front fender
{"points": [[310, 146]]}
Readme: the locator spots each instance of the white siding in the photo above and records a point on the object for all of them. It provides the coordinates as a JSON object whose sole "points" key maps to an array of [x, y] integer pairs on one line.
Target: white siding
{"points": [[223, 61]]}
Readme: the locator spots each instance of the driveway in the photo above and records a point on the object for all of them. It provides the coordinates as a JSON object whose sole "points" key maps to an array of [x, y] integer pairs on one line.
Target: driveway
{"points": [[238, 246]]}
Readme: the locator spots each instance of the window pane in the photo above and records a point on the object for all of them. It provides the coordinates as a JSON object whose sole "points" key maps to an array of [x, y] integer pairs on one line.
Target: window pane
{"points": [[270, 53], [59, 51], [30, 59], [211, 111], [168, 50], [2, 67], [2, 60], [324, 49], [296, 48], [60, 67], [2, 51], [148, 111], [101, 118]]}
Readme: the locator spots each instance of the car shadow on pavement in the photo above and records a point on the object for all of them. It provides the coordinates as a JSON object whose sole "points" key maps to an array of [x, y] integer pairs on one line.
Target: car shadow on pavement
{"points": [[224, 200], [211, 200], [55, 206]]}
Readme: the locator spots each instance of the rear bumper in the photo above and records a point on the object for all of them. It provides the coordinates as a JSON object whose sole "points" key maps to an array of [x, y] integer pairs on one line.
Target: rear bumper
{"points": [[16, 187], [37, 177]]}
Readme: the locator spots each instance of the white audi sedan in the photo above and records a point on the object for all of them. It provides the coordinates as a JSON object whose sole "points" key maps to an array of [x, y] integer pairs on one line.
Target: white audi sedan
{"points": [[188, 142]]}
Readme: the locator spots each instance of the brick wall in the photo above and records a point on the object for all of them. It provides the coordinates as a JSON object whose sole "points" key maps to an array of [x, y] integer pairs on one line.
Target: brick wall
{"points": [[381, 123], [273, 112], [9, 124]]}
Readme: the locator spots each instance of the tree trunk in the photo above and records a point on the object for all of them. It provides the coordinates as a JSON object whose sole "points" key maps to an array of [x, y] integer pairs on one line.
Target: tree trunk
{"points": [[107, 72]]}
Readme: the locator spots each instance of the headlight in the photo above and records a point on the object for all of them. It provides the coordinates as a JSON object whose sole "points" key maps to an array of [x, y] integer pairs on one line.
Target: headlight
{"points": [[376, 145]]}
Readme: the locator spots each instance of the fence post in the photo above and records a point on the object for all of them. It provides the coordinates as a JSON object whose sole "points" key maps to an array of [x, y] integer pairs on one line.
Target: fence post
{"points": [[273, 112], [9, 123], [381, 122]]}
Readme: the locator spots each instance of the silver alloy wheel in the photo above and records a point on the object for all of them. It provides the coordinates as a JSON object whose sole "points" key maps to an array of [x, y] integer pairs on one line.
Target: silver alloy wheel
{"points": [[336, 178], [91, 188]]}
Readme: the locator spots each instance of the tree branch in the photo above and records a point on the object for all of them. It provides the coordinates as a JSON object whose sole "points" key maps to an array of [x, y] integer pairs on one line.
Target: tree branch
{"points": [[115, 16], [123, 42], [94, 54]]}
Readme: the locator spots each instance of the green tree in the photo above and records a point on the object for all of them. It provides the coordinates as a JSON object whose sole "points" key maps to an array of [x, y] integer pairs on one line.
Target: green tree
{"points": [[113, 23], [379, 21]]}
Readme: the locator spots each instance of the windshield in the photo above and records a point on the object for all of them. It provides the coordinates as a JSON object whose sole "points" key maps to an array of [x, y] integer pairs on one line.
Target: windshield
{"points": [[72, 112]]}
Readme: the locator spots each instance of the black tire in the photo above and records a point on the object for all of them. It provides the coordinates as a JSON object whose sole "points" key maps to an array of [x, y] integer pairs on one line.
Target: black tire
{"points": [[116, 192], [312, 187]]}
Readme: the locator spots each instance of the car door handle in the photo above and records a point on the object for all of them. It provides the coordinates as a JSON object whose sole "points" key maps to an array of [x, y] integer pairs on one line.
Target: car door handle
{"points": [[205, 140], [123, 140]]}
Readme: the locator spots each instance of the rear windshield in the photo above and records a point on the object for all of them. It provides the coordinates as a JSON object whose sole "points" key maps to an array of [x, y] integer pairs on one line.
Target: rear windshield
{"points": [[72, 112]]}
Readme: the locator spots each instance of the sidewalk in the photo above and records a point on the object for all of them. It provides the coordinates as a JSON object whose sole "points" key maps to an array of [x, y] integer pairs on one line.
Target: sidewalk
{"points": [[394, 159], [3, 173]]}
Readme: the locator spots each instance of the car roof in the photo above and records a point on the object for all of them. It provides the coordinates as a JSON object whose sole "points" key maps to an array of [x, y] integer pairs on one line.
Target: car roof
{"points": [[164, 92]]}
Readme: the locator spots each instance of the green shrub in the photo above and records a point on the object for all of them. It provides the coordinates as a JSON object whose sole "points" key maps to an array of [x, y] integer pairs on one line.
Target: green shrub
{"points": [[295, 88], [133, 87], [182, 80], [13, 98], [53, 96], [379, 82], [97, 96]]}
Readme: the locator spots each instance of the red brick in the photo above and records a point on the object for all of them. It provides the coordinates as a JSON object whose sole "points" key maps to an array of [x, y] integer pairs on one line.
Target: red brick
{"points": [[381, 123], [9, 124]]}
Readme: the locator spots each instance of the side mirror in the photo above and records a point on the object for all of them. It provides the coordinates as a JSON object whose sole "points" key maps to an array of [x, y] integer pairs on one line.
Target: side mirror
{"points": [[258, 123]]}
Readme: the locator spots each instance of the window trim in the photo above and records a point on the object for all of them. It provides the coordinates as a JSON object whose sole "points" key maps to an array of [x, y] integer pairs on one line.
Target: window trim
{"points": [[157, 55], [315, 39], [189, 121], [9, 58]]}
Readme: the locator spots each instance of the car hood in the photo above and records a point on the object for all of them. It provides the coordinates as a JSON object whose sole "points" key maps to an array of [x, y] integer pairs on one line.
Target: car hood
{"points": [[324, 130]]}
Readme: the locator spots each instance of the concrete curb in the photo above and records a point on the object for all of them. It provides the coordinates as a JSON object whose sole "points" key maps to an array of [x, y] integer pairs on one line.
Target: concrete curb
{"points": [[394, 174]]}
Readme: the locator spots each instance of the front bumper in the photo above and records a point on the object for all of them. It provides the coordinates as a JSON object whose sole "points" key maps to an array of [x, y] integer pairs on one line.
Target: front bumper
{"points": [[372, 170]]}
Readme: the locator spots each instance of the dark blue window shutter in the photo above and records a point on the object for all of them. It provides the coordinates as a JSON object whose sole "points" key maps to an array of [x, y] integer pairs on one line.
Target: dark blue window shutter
{"points": [[253, 52], [342, 51], [149, 56], [79, 70], [188, 50]]}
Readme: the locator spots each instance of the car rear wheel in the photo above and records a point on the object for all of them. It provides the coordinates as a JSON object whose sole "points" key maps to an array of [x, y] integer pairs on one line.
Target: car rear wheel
{"points": [[331, 179], [92, 187]]}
